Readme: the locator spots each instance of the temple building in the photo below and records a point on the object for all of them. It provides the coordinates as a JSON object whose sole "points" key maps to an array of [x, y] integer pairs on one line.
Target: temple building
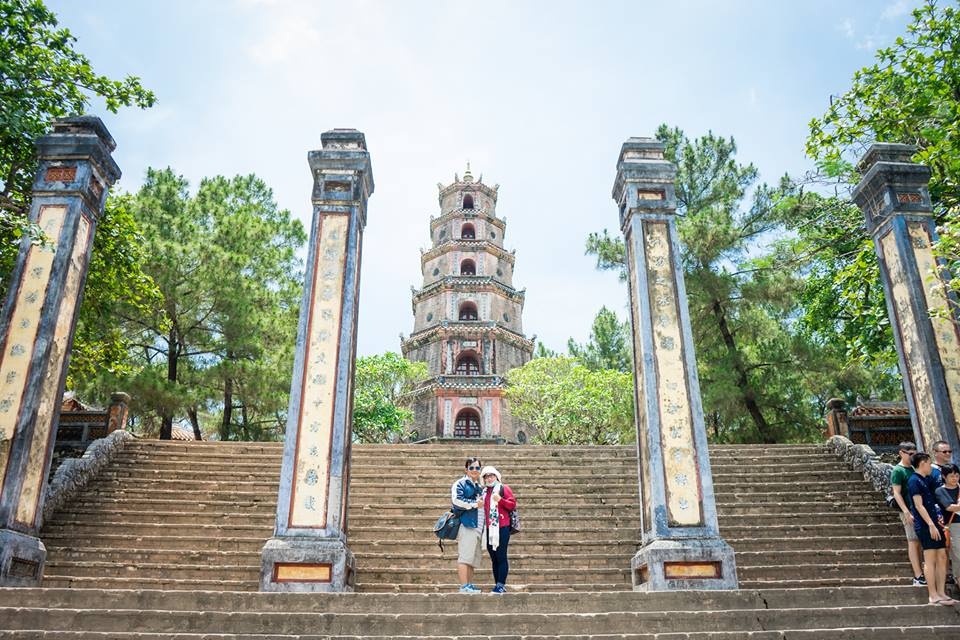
{"points": [[467, 320]]}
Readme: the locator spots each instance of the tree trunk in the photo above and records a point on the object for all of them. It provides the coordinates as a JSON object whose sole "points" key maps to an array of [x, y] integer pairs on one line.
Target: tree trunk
{"points": [[192, 412], [227, 409], [743, 383], [173, 354]]}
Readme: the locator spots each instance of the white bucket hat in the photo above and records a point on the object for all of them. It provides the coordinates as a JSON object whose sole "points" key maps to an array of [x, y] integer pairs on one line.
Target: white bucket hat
{"points": [[488, 470]]}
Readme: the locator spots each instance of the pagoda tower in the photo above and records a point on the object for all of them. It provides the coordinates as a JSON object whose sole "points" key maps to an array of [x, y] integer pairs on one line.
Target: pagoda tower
{"points": [[467, 320]]}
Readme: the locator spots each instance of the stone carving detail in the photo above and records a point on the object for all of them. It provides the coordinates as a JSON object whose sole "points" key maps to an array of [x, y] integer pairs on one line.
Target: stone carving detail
{"points": [[61, 174], [74, 474], [860, 457]]}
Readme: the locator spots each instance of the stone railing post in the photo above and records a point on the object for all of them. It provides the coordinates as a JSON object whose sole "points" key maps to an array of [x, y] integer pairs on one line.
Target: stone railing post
{"points": [[895, 200], [118, 411], [308, 551], [681, 544], [37, 326], [836, 418]]}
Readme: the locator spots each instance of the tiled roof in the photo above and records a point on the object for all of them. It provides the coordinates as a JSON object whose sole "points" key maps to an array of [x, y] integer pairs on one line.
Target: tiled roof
{"points": [[878, 409]]}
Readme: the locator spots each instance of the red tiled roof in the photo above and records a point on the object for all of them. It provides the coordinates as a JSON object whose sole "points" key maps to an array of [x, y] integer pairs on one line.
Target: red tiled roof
{"points": [[881, 409]]}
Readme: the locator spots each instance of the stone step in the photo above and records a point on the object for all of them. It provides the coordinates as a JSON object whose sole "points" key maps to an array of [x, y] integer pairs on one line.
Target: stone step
{"points": [[147, 599], [389, 575], [407, 504], [427, 559], [440, 624], [56, 543], [851, 569], [875, 633], [823, 531], [804, 543]]}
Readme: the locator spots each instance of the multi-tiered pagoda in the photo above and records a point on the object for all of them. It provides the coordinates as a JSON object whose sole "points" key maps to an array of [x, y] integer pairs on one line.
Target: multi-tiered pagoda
{"points": [[467, 320]]}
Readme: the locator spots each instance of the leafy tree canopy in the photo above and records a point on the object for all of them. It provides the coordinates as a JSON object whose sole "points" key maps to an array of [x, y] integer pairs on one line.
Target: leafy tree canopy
{"points": [[42, 77], [382, 396], [610, 345], [911, 95], [568, 403]]}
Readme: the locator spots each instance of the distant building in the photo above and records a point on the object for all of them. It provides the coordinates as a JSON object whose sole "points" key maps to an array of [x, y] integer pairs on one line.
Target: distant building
{"points": [[467, 320]]}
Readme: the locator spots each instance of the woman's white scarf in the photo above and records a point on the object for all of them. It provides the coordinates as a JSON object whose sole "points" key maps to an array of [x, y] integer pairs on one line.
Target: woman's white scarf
{"points": [[492, 523]]}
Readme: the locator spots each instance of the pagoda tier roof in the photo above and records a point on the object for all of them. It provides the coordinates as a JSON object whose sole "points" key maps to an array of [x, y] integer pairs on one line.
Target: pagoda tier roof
{"points": [[454, 383], [465, 328], [452, 244], [467, 184], [468, 283], [467, 214]]}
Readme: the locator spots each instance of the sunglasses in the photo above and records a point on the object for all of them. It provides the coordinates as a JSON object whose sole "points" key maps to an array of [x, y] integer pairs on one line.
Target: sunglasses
{"points": [[474, 468]]}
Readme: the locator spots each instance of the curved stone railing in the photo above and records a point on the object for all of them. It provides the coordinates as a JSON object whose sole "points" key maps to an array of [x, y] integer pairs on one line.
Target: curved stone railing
{"points": [[73, 474], [860, 457]]}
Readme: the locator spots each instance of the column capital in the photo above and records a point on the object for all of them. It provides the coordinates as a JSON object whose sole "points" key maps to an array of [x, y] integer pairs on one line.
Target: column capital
{"points": [[891, 184], [342, 174], [75, 160], [645, 179]]}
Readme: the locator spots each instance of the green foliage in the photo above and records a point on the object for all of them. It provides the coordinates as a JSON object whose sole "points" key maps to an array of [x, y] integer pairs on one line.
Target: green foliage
{"points": [[219, 346], [43, 78], [116, 286], [610, 345], [542, 351], [764, 375], [911, 94], [570, 404], [382, 396]]}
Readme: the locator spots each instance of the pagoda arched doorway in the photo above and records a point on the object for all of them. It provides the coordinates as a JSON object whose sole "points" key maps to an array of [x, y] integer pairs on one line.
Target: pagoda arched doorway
{"points": [[467, 424]]}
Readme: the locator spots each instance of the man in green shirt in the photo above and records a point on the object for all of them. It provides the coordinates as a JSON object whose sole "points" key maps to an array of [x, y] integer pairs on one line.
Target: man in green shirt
{"points": [[898, 482]]}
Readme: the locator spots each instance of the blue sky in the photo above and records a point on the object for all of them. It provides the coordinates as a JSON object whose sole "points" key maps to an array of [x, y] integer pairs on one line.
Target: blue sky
{"points": [[538, 96]]}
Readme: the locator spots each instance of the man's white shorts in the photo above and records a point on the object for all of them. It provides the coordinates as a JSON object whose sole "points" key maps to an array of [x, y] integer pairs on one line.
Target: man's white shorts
{"points": [[468, 546]]}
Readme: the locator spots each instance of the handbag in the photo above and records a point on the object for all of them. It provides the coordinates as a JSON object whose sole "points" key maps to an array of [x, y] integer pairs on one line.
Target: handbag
{"points": [[447, 527], [514, 522]]}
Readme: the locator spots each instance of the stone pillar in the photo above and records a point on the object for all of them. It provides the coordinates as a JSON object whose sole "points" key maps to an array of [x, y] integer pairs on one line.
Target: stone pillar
{"points": [[118, 411], [836, 418], [37, 325], [681, 544], [308, 551], [895, 200]]}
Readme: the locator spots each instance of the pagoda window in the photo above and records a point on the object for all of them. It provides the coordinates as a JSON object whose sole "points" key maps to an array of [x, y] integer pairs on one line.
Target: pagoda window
{"points": [[468, 201], [467, 365], [468, 268], [468, 311], [467, 424], [467, 232]]}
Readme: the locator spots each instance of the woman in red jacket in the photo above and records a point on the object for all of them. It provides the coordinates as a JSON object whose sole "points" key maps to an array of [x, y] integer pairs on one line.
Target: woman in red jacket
{"points": [[498, 502]]}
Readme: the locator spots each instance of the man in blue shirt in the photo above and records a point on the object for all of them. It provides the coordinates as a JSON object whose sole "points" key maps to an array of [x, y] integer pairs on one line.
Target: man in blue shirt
{"points": [[466, 496], [925, 513]]}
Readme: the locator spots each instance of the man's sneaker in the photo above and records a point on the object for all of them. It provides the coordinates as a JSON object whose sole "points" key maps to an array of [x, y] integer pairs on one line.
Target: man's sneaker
{"points": [[951, 579], [920, 581], [469, 588], [499, 589]]}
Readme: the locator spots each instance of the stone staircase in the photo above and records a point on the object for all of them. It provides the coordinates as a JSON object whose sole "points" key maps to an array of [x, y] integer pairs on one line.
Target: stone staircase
{"points": [[166, 541]]}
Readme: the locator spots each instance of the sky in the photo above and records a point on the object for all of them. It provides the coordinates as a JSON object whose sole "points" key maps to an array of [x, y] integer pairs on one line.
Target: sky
{"points": [[537, 96]]}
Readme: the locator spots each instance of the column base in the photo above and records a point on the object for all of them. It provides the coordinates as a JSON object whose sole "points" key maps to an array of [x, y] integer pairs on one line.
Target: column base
{"points": [[22, 559], [685, 563], [306, 565]]}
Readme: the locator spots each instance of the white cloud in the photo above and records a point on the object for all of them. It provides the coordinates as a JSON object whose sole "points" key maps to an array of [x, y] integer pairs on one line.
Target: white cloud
{"points": [[896, 9], [846, 27]]}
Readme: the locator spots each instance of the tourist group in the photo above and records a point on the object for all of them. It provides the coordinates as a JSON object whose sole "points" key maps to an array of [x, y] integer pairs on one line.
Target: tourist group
{"points": [[926, 493]]}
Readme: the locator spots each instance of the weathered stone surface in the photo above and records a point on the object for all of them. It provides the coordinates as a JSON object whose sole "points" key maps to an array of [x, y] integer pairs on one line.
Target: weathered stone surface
{"points": [[74, 474], [861, 458]]}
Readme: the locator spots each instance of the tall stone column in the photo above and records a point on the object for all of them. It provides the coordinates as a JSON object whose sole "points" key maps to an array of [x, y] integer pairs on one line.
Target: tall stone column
{"points": [[895, 200], [37, 325], [308, 551], [681, 544]]}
